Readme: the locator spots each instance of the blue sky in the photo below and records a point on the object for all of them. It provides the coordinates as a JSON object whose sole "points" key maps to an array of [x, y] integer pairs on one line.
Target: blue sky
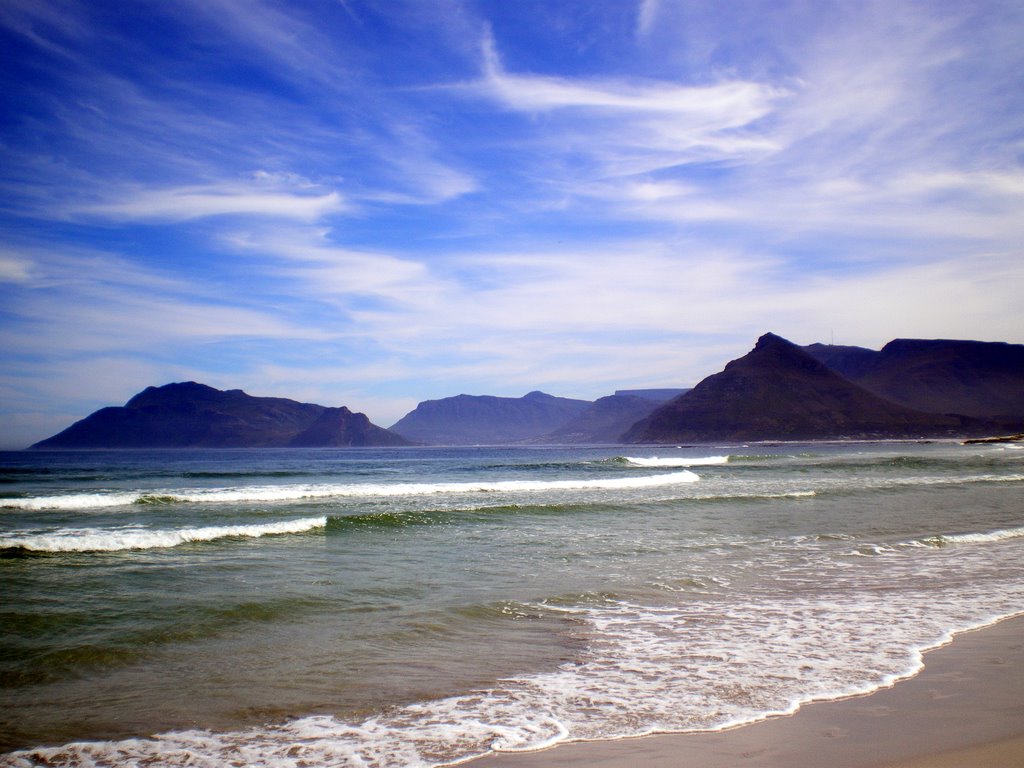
{"points": [[375, 202]]}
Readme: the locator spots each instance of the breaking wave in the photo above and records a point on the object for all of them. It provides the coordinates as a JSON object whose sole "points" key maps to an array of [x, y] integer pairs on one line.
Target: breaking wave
{"points": [[360, 490], [975, 538], [676, 461], [118, 539]]}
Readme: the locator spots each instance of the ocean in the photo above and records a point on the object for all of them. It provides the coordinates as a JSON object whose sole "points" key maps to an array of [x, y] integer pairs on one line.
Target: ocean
{"points": [[422, 606]]}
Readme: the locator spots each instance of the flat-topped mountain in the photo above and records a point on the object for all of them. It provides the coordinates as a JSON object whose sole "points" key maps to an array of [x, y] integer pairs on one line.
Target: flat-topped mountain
{"points": [[608, 417], [779, 391], [976, 378], [487, 420], [191, 415]]}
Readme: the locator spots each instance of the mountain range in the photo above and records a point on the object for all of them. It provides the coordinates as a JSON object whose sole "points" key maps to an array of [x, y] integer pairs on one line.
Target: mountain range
{"points": [[486, 420], [778, 391], [974, 378], [535, 418]]}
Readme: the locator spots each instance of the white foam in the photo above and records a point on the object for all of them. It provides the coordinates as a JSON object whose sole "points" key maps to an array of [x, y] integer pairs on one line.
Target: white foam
{"points": [[274, 493], [72, 501], [677, 461], [112, 540], [978, 538], [650, 669]]}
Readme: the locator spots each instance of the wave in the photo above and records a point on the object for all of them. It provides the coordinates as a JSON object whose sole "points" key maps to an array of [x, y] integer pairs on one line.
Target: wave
{"points": [[119, 539], [363, 490], [939, 541], [73, 501], [975, 538], [676, 461], [227, 474]]}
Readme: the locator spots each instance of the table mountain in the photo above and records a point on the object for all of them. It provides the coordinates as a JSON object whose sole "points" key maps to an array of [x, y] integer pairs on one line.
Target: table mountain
{"points": [[191, 415], [487, 420], [779, 391], [976, 378]]}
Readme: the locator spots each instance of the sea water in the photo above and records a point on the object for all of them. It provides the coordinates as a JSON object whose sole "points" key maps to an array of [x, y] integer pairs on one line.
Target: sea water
{"points": [[421, 606]]}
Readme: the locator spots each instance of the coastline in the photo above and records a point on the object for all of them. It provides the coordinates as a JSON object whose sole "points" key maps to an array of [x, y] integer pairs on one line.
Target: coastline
{"points": [[964, 708]]}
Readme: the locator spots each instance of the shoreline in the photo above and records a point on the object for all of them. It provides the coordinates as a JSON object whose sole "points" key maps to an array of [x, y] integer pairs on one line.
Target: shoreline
{"points": [[964, 707]]}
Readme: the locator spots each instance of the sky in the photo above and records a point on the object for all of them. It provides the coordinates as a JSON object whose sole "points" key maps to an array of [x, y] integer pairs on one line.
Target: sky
{"points": [[372, 203]]}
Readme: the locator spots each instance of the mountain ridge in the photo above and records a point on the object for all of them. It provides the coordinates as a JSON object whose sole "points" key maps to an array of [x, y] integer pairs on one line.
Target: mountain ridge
{"points": [[486, 419], [193, 415], [983, 379], [780, 391]]}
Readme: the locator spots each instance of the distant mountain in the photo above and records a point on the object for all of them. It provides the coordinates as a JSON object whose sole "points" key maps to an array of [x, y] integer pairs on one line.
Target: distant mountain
{"points": [[779, 391], [608, 417], [487, 420], [604, 421], [657, 395], [975, 378], [191, 415], [849, 361]]}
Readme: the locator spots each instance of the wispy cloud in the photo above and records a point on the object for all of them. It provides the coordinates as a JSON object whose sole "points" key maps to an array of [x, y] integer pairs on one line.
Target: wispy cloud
{"points": [[184, 203], [630, 126], [646, 16], [14, 268]]}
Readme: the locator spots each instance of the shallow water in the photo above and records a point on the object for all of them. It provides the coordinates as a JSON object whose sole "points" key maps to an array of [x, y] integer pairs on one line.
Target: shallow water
{"points": [[420, 606]]}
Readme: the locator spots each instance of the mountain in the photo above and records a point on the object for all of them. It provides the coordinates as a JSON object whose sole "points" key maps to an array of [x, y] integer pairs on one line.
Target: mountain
{"points": [[779, 391], [849, 361], [976, 378], [485, 419], [608, 417], [191, 415], [657, 395]]}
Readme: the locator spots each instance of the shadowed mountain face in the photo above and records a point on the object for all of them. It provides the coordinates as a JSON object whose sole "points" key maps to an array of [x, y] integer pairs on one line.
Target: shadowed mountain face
{"points": [[191, 415], [487, 420], [781, 392], [608, 417], [975, 378]]}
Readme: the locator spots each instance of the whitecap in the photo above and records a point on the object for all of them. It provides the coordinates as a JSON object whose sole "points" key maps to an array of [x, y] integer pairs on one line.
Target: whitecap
{"points": [[117, 539], [677, 461], [275, 493]]}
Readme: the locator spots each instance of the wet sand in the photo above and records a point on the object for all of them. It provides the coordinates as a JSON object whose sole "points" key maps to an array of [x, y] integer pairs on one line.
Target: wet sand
{"points": [[964, 710]]}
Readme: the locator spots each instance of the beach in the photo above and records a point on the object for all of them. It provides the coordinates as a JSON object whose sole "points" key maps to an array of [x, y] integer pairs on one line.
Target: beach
{"points": [[964, 710], [425, 606]]}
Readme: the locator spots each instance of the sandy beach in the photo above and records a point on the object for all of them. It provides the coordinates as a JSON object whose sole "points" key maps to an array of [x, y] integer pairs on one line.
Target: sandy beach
{"points": [[964, 710]]}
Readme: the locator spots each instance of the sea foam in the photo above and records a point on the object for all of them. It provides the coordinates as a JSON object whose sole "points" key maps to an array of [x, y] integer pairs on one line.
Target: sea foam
{"points": [[285, 493], [116, 539], [977, 538], [677, 461]]}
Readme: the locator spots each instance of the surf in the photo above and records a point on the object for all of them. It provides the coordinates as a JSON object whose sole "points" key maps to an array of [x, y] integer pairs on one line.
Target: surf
{"points": [[676, 461], [278, 493], [120, 539]]}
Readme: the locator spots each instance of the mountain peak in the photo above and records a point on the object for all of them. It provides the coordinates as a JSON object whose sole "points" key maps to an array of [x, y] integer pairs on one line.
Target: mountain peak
{"points": [[780, 391], [770, 339]]}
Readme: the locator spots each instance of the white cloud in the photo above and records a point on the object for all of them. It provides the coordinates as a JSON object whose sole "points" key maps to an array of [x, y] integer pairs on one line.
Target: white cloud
{"points": [[636, 126], [184, 203], [14, 268], [963, 299], [647, 13], [325, 271], [726, 105]]}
